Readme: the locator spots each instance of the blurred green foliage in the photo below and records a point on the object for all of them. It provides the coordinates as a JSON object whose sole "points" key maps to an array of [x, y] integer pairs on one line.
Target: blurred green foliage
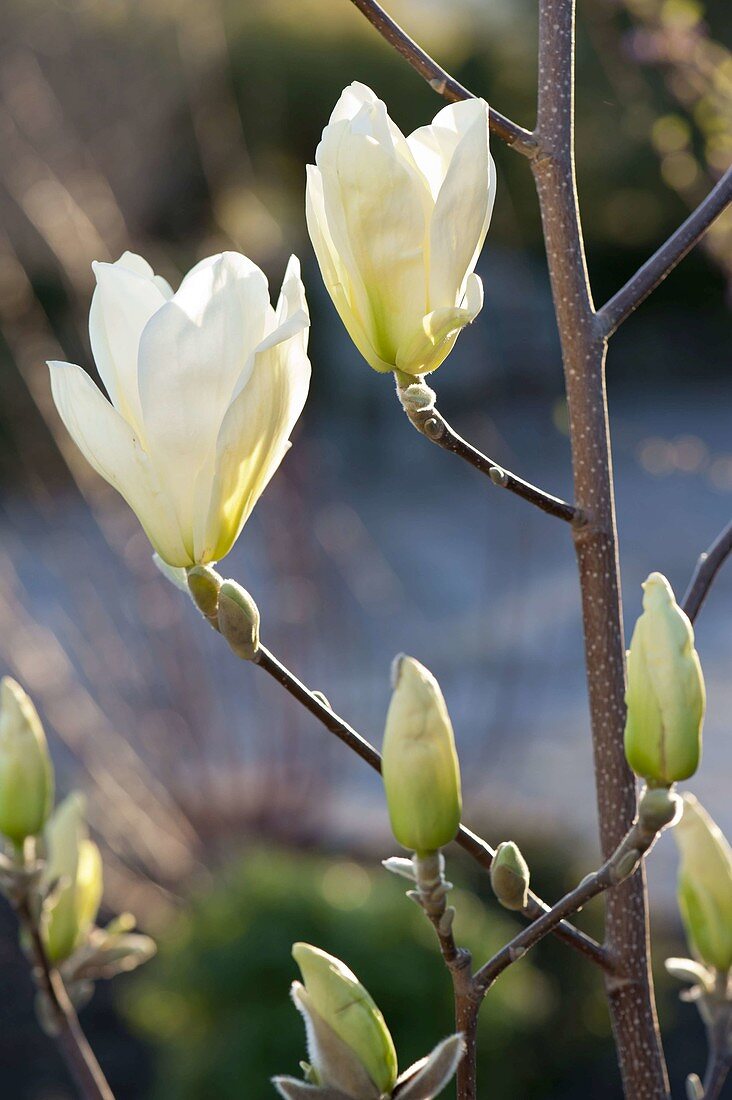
{"points": [[215, 1003]]}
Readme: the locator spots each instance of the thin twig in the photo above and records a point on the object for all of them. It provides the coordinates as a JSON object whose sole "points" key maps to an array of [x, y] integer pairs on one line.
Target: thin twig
{"points": [[418, 403], [624, 861], [707, 567], [440, 80], [655, 270], [70, 1039], [469, 841]]}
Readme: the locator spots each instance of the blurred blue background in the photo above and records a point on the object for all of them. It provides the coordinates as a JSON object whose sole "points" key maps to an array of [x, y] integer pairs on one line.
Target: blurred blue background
{"points": [[229, 822]]}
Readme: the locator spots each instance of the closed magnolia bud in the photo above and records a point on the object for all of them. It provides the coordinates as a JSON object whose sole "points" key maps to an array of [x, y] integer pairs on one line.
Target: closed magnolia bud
{"points": [[75, 866], [397, 224], [510, 876], [336, 997], [420, 764], [665, 693], [204, 584], [705, 885], [26, 773], [238, 619]]}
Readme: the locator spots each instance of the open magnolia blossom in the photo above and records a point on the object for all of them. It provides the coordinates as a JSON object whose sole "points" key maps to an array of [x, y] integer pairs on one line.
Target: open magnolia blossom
{"points": [[397, 225], [205, 387]]}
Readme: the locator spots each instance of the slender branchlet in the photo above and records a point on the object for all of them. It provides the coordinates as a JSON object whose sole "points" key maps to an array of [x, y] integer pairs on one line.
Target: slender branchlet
{"points": [[418, 402], [56, 1008], [662, 262], [707, 567], [440, 80]]}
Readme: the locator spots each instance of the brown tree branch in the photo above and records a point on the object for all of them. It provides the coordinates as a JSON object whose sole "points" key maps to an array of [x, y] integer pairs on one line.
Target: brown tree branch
{"points": [[69, 1037], [662, 263], [440, 80], [472, 844], [418, 403], [630, 990], [707, 567], [621, 865]]}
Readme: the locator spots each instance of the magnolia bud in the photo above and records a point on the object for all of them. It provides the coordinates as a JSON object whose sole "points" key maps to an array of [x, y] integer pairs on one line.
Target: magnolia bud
{"points": [[665, 695], [26, 773], [334, 997], [239, 620], [75, 865], [705, 885], [420, 764], [510, 876], [204, 584]]}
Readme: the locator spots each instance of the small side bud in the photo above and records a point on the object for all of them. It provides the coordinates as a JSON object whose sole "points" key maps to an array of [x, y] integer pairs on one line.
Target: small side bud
{"points": [[510, 876], [705, 885], [333, 996], [665, 696], [204, 584], [239, 620], [26, 773], [658, 808], [420, 763]]}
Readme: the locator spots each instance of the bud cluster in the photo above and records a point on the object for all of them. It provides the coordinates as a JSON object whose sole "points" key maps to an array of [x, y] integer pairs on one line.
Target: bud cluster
{"points": [[51, 870]]}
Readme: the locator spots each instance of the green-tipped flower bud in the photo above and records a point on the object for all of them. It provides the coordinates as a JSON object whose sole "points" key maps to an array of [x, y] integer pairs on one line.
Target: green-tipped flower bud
{"points": [[204, 584], [420, 764], [665, 694], [239, 620], [75, 865], [510, 876], [26, 773], [705, 885], [334, 995]]}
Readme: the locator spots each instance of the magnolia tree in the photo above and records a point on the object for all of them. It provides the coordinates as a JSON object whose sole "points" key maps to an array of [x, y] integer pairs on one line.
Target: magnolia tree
{"points": [[204, 387]]}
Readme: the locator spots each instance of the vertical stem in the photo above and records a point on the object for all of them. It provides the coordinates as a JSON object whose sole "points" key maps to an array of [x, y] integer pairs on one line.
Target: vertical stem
{"points": [[70, 1039], [630, 989], [466, 1021]]}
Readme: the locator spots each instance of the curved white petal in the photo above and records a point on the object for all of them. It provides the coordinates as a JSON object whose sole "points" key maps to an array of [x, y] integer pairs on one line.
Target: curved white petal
{"points": [[351, 100], [195, 353], [292, 316], [463, 207], [140, 266], [126, 297], [338, 282], [253, 440], [109, 444], [376, 204], [433, 146], [433, 342]]}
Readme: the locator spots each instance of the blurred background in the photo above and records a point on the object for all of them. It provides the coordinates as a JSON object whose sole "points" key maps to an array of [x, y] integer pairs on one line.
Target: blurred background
{"points": [[229, 822]]}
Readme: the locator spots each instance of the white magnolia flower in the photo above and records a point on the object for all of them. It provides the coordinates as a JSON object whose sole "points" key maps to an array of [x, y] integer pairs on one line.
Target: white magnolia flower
{"points": [[397, 225], [205, 387]]}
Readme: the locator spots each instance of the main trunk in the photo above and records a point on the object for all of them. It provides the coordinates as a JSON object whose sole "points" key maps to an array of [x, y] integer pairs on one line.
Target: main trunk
{"points": [[630, 990]]}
